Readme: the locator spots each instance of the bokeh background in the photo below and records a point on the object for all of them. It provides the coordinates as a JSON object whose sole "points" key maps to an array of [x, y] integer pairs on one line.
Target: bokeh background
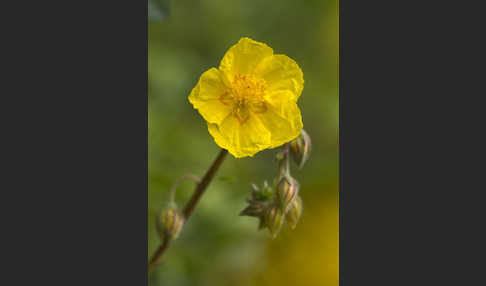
{"points": [[217, 246]]}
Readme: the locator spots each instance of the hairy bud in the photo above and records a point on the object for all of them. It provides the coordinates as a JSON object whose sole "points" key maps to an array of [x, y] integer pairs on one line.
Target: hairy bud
{"points": [[300, 148], [261, 198], [171, 222], [274, 220], [263, 193], [287, 190], [267, 190], [294, 212], [255, 188], [255, 209]]}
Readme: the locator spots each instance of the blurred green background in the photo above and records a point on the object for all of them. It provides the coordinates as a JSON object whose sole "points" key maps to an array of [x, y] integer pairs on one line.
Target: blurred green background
{"points": [[217, 246]]}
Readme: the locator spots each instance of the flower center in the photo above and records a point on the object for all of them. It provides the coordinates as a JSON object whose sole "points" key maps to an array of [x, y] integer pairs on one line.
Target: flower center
{"points": [[247, 89], [245, 94]]}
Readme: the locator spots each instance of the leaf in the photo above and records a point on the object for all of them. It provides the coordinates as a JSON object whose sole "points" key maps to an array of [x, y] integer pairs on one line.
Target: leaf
{"points": [[158, 10]]}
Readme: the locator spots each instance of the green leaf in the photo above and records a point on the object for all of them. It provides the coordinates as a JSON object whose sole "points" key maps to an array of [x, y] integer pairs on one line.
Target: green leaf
{"points": [[158, 9]]}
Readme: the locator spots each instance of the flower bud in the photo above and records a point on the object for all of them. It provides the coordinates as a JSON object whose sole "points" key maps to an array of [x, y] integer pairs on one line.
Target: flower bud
{"points": [[267, 191], [287, 190], [295, 210], [171, 221], [255, 187], [274, 220], [255, 209], [263, 193], [262, 223], [300, 148]]}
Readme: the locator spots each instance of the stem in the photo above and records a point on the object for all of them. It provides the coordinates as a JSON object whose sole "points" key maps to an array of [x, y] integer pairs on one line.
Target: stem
{"points": [[284, 163], [189, 208], [178, 181], [159, 252], [201, 187]]}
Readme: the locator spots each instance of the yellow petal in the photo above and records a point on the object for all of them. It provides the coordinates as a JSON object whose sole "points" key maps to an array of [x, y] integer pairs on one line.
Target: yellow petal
{"points": [[211, 97], [241, 140], [220, 140], [281, 73], [282, 118], [244, 57]]}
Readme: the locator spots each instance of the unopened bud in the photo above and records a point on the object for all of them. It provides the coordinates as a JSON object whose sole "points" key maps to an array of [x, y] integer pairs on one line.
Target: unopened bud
{"points": [[301, 147], [287, 190], [274, 220], [294, 213], [255, 209], [262, 223], [171, 221], [261, 193], [267, 190], [255, 187]]}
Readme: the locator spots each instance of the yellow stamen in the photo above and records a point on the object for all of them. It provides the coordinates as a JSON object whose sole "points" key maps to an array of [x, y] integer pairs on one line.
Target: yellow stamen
{"points": [[246, 93]]}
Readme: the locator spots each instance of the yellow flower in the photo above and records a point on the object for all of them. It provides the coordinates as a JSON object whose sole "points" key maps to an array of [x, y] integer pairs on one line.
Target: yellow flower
{"points": [[250, 101]]}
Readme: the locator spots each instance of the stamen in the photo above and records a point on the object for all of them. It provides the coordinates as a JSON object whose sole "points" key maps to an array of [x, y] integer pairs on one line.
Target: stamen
{"points": [[246, 93]]}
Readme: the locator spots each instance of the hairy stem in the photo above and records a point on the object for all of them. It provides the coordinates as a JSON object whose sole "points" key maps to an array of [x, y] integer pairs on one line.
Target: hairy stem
{"points": [[284, 162], [191, 205], [156, 256], [178, 181], [201, 187]]}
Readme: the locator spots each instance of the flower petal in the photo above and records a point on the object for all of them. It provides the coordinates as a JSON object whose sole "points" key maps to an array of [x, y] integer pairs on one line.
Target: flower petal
{"points": [[211, 97], [281, 73], [244, 57], [282, 118], [220, 140], [241, 140]]}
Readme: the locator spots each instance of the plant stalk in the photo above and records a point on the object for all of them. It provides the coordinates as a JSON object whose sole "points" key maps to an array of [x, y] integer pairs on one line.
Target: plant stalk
{"points": [[191, 204]]}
